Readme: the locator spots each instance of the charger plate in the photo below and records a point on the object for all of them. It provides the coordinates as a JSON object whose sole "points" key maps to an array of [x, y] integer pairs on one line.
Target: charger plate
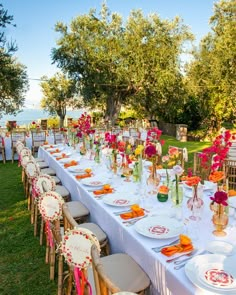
{"points": [[212, 272]]}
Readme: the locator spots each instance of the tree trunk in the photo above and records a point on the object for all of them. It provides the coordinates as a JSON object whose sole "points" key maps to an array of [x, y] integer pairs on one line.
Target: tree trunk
{"points": [[62, 118], [113, 106]]}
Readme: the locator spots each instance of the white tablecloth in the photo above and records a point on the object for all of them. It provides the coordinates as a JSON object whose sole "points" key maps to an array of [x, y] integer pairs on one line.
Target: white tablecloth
{"points": [[165, 280], [7, 141]]}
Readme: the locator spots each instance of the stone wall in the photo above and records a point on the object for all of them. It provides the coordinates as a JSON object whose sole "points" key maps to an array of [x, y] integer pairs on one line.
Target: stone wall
{"points": [[179, 131]]}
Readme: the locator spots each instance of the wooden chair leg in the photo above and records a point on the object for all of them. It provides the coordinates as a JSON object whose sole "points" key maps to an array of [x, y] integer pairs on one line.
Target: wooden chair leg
{"points": [[41, 232], [60, 275], [32, 210], [69, 283], [47, 257], [35, 219], [52, 262]]}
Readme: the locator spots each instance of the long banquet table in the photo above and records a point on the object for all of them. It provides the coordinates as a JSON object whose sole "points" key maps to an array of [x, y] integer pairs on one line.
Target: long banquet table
{"points": [[164, 278]]}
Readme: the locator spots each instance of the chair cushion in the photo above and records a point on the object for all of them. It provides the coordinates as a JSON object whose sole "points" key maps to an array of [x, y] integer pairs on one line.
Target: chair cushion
{"points": [[77, 209], [42, 165], [125, 273], [39, 160], [61, 190], [94, 228], [57, 180], [48, 171]]}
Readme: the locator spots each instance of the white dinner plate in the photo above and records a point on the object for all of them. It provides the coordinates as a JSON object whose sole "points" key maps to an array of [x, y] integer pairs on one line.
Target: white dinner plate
{"points": [[232, 201], [212, 272], [94, 181], [120, 200], [159, 227], [78, 170], [220, 247]]}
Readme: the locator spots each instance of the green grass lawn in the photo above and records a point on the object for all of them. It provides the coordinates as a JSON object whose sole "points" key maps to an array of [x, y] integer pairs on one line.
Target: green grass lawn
{"points": [[22, 267], [192, 147]]}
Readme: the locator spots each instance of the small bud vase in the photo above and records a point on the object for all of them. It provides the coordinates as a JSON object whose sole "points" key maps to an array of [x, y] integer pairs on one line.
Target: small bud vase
{"points": [[195, 203], [219, 219], [176, 193]]}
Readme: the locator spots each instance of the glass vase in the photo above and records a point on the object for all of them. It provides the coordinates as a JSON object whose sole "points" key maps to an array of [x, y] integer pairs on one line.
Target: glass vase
{"points": [[97, 157], [195, 203], [219, 219], [153, 180], [176, 195]]}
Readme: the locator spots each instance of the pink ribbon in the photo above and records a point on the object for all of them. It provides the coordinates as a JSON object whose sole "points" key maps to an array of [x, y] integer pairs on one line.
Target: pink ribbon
{"points": [[49, 234], [78, 274], [34, 191]]}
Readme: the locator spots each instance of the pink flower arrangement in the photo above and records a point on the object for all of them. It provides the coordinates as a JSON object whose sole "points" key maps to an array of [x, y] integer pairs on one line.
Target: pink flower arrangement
{"points": [[154, 134], [220, 197], [212, 158]]}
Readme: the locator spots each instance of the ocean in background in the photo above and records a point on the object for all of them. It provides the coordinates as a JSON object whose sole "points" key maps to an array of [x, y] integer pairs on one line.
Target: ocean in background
{"points": [[26, 116]]}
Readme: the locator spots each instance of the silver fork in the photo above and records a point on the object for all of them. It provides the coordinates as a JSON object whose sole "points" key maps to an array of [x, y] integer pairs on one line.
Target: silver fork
{"points": [[158, 249], [133, 221], [190, 254], [180, 264]]}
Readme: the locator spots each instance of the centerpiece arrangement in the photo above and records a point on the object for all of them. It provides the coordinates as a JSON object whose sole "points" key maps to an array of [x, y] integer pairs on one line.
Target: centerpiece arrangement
{"points": [[152, 155]]}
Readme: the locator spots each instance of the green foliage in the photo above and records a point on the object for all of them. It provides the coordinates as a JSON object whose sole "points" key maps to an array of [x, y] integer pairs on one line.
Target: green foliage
{"points": [[191, 114], [13, 77], [59, 94], [119, 64], [212, 75]]}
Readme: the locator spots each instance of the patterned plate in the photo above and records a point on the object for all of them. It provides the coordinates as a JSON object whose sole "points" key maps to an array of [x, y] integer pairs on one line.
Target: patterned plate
{"points": [[159, 227], [212, 272], [120, 200]]}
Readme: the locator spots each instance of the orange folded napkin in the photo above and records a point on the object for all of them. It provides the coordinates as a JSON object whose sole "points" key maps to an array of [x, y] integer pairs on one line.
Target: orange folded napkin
{"points": [[63, 156], [231, 193], [107, 189], [136, 211], [71, 163], [185, 245], [56, 151], [82, 176]]}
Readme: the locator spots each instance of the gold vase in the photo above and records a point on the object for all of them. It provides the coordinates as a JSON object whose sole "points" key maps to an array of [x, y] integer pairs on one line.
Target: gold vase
{"points": [[219, 219]]}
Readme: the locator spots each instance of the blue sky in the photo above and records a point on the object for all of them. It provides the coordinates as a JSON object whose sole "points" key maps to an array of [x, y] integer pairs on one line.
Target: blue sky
{"points": [[35, 21]]}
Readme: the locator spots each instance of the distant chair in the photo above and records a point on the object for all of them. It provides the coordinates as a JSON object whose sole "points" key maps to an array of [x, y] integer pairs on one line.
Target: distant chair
{"points": [[229, 167], [38, 139], [182, 156], [2, 149], [16, 135], [58, 136], [44, 124]]}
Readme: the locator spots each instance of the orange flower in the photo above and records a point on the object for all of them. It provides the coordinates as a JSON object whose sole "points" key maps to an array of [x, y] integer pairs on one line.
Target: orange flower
{"points": [[192, 180], [216, 176], [163, 189], [173, 151]]}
